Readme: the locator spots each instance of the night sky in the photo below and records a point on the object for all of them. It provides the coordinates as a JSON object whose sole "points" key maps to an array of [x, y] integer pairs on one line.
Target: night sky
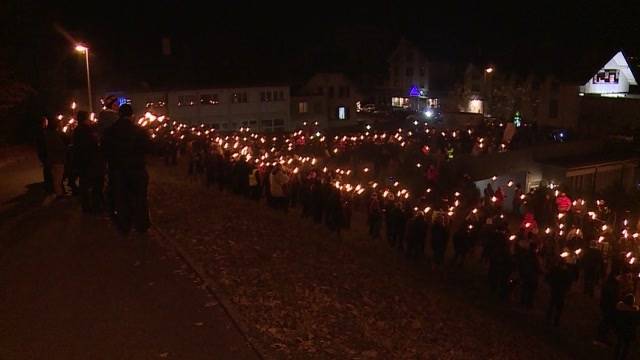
{"points": [[252, 42]]}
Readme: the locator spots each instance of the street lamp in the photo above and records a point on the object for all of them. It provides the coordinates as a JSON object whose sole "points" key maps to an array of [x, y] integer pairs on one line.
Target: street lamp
{"points": [[485, 106], [83, 49]]}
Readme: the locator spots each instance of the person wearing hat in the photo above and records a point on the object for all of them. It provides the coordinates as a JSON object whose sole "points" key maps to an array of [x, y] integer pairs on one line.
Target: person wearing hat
{"points": [[125, 145]]}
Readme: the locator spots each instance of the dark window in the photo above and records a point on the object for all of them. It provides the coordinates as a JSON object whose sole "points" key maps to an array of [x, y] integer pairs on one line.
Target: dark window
{"points": [[317, 108], [330, 91], [409, 56], [237, 98], [422, 71], [553, 108], [347, 91], [409, 71], [535, 85], [278, 122], [320, 91], [341, 91], [555, 87]]}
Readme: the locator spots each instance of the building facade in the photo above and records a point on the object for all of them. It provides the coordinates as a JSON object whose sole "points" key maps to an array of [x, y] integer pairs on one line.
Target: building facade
{"points": [[612, 80], [409, 82], [329, 99], [544, 100], [261, 108]]}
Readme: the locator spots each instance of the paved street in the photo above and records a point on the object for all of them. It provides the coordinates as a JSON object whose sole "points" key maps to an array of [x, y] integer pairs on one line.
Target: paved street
{"points": [[72, 288]]}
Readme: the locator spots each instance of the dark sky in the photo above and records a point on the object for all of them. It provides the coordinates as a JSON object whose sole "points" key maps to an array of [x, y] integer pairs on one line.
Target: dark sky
{"points": [[245, 41]]}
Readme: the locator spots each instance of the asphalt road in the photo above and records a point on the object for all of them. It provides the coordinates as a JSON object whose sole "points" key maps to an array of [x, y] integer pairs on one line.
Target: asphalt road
{"points": [[72, 288]]}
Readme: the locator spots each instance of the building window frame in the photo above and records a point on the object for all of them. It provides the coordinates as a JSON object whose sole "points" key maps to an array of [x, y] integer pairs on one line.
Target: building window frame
{"points": [[303, 107]]}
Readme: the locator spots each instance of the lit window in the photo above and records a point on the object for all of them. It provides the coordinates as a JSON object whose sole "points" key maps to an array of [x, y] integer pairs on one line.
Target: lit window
{"points": [[400, 102], [303, 107], [186, 100], [475, 106], [342, 113], [606, 76], [209, 99]]}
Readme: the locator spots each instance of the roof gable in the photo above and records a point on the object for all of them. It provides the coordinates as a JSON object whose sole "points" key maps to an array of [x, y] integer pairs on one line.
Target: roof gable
{"points": [[619, 62]]}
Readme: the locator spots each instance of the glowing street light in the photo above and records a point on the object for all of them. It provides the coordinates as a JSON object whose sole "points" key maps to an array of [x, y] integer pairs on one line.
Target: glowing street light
{"points": [[489, 70], [84, 49]]}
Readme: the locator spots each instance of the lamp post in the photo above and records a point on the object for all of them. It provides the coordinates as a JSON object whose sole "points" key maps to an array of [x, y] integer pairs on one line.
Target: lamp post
{"points": [[487, 72], [83, 49]]}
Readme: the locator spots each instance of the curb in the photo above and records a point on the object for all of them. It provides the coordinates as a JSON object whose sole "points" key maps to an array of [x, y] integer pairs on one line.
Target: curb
{"points": [[212, 288]]}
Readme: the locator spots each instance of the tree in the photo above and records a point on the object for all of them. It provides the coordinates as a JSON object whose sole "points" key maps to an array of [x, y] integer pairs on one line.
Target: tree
{"points": [[13, 96]]}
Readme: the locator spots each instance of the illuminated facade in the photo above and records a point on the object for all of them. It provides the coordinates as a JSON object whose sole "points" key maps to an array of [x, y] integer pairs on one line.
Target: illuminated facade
{"points": [[263, 108], [613, 79]]}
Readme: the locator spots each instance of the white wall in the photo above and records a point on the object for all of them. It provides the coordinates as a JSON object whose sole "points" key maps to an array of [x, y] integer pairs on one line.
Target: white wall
{"points": [[625, 78], [224, 112], [621, 87]]}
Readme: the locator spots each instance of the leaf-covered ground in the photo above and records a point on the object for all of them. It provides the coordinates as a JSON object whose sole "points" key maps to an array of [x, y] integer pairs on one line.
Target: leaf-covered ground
{"points": [[306, 294]]}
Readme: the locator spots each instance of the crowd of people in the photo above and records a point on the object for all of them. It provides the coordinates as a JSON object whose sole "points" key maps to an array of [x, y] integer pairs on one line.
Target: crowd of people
{"points": [[102, 161], [545, 238], [401, 182]]}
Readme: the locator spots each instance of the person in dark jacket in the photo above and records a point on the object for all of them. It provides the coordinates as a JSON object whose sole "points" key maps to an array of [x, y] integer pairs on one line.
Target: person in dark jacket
{"points": [[593, 267], [500, 265], [439, 237], [627, 319], [416, 235], [393, 221], [56, 155], [609, 296], [462, 243], [374, 216], [125, 145], [41, 148], [529, 270], [559, 279], [88, 164]]}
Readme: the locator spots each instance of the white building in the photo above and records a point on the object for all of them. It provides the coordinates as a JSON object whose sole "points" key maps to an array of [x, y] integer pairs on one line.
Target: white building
{"points": [[613, 79], [261, 108]]}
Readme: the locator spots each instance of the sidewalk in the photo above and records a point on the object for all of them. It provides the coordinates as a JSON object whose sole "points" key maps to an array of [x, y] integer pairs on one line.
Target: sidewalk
{"points": [[72, 288]]}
